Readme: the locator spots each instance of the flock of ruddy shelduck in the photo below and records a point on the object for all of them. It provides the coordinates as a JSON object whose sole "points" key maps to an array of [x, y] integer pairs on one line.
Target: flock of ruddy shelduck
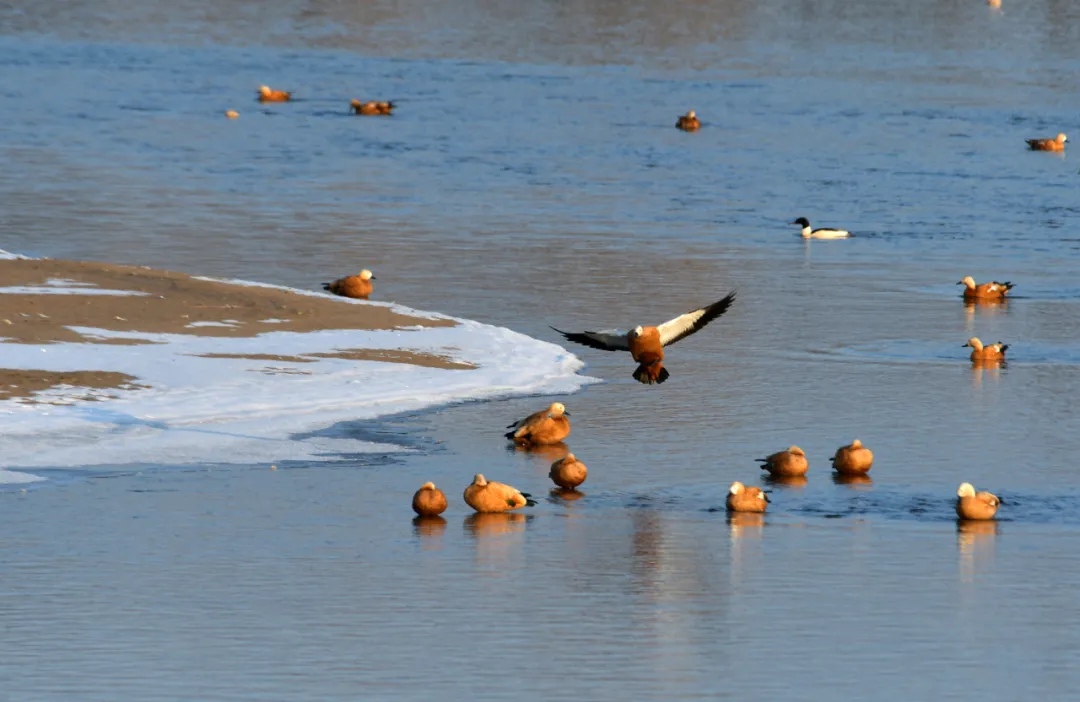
{"points": [[551, 426], [646, 346]]}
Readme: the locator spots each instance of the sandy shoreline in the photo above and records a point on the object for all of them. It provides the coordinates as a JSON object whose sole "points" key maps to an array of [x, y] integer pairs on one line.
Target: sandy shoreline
{"points": [[44, 301]]}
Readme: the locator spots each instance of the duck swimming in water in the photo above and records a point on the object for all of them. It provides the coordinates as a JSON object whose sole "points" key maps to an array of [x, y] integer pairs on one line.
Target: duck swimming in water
{"points": [[808, 233]]}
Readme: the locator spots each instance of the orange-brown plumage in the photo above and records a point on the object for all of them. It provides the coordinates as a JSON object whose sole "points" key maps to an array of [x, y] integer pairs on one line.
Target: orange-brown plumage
{"points": [[744, 498], [994, 353], [489, 496], [993, 290], [975, 505], [267, 94], [357, 286], [689, 122], [1055, 144], [548, 426], [646, 349], [646, 343], [372, 107], [429, 501], [788, 463], [853, 459], [568, 472]]}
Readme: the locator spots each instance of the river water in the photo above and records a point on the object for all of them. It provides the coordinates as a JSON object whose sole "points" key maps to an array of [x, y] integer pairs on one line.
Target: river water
{"points": [[532, 176]]}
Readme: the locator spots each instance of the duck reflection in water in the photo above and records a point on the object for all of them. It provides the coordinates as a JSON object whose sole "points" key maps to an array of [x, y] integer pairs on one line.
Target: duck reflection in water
{"points": [[976, 541], [548, 452], [855, 481], [795, 482], [428, 527], [566, 494], [484, 524]]}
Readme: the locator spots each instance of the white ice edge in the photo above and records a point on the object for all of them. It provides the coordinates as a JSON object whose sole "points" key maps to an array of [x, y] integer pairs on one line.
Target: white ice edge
{"points": [[214, 410]]}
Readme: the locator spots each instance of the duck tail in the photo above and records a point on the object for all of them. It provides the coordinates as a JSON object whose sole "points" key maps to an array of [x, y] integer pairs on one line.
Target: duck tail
{"points": [[1004, 347], [326, 286], [651, 373], [509, 435]]}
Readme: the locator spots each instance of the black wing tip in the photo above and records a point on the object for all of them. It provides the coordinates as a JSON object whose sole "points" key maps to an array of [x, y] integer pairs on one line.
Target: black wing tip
{"points": [[529, 502], [509, 435], [326, 286]]}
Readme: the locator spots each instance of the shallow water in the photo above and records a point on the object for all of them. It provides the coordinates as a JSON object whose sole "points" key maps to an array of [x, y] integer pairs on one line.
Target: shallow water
{"points": [[532, 177]]}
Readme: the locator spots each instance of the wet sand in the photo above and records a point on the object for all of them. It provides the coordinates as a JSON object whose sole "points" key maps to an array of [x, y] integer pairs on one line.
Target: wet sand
{"points": [[70, 299]]}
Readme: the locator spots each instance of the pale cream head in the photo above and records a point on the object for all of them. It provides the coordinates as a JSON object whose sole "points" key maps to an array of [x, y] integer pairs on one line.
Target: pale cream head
{"points": [[1061, 138], [557, 409], [365, 274], [479, 480], [855, 443], [736, 488], [428, 486], [691, 114], [968, 282], [265, 89], [974, 343], [796, 450], [570, 458], [637, 331], [965, 490]]}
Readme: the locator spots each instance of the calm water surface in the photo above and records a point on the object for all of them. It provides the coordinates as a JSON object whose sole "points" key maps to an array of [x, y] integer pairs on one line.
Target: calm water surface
{"points": [[532, 176]]}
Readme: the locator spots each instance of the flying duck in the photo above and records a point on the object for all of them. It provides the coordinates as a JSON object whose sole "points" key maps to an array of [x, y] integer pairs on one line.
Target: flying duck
{"points": [[646, 344]]}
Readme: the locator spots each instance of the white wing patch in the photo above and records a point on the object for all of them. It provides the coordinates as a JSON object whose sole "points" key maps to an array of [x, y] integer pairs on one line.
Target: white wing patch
{"points": [[679, 327], [686, 324]]}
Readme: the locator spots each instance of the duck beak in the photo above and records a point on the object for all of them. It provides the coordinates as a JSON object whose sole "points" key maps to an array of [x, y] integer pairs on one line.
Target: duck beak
{"points": [[959, 282], [965, 345], [565, 413]]}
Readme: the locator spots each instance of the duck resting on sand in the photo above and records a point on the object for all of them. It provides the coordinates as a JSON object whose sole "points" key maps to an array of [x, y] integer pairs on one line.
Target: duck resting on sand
{"points": [[357, 286]]}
